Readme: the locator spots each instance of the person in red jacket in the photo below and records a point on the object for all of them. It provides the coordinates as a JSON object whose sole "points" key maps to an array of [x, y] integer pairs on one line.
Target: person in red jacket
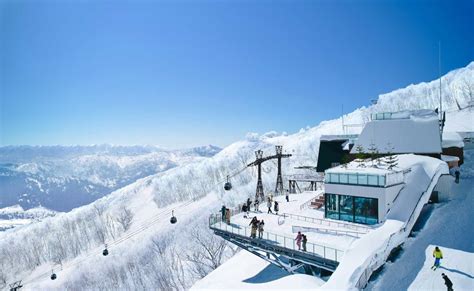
{"points": [[298, 239]]}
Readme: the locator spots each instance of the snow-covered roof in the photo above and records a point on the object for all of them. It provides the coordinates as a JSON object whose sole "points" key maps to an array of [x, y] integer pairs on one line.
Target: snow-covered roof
{"points": [[447, 158], [331, 137], [452, 139], [413, 132]]}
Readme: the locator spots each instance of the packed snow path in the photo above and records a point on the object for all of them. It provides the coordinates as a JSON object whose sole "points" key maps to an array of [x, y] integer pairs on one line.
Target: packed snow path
{"points": [[450, 226]]}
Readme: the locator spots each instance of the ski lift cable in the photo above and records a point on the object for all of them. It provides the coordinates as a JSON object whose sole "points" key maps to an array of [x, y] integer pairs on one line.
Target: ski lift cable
{"points": [[148, 223], [144, 226], [93, 252]]}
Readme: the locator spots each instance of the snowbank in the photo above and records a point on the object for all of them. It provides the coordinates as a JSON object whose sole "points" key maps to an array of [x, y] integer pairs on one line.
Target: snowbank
{"points": [[452, 139], [257, 274]]}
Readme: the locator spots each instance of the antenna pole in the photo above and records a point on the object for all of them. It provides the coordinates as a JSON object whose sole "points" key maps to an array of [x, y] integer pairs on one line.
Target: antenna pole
{"points": [[439, 72], [342, 114]]}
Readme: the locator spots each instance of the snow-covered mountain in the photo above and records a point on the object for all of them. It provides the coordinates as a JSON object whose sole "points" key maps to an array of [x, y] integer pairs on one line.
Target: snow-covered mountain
{"points": [[147, 252], [61, 178]]}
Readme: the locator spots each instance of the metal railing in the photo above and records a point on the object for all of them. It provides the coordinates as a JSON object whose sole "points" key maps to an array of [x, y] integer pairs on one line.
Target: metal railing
{"points": [[307, 203], [329, 253], [383, 180], [333, 231], [327, 222], [381, 116]]}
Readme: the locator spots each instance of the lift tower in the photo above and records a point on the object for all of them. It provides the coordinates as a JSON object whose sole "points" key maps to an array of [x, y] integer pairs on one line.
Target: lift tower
{"points": [[279, 155], [259, 194]]}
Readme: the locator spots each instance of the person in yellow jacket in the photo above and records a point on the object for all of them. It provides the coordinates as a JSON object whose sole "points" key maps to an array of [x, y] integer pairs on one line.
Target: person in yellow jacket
{"points": [[438, 255]]}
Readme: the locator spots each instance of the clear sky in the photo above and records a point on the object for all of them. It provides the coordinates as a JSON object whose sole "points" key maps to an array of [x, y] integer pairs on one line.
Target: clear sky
{"points": [[185, 73]]}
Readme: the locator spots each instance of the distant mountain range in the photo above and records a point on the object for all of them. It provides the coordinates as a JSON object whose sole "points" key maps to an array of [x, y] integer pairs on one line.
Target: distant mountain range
{"points": [[61, 178]]}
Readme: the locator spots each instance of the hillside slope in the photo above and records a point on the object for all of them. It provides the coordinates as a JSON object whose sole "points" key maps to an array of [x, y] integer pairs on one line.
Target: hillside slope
{"points": [[164, 256]]}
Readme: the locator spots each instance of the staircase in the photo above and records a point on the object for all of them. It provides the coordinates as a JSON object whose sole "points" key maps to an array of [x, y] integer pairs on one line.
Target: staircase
{"points": [[318, 202]]}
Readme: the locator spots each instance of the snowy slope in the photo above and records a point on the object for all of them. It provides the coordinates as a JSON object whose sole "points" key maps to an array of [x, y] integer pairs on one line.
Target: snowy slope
{"points": [[194, 190], [449, 226]]}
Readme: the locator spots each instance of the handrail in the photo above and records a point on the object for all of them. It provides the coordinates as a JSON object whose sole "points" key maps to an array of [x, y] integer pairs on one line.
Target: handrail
{"points": [[355, 233], [327, 222], [326, 252], [421, 196], [305, 205]]}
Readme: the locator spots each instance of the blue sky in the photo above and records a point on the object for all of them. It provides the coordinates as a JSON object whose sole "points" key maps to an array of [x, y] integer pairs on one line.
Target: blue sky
{"points": [[184, 73]]}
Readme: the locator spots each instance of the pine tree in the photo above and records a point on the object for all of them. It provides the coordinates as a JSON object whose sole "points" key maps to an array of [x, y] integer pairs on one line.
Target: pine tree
{"points": [[373, 152], [345, 161], [391, 159]]}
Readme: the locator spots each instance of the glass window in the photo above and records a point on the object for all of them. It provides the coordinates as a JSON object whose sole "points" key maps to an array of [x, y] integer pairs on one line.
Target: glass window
{"points": [[331, 205], [365, 210], [346, 208], [362, 179], [352, 179], [343, 179], [373, 180], [350, 208], [381, 180]]}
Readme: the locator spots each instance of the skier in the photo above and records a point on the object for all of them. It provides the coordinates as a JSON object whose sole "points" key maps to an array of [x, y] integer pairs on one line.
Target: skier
{"points": [[223, 213], [227, 215], [254, 223], [276, 208], [305, 240], [447, 282], [269, 205], [260, 229], [256, 203], [287, 196], [248, 204], [456, 175], [298, 239], [438, 255], [244, 210]]}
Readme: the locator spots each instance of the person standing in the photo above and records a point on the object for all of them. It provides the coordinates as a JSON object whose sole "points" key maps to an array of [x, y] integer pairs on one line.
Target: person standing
{"points": [[447, 282], [276, 207], [287, 196], [304, 240], [438, 255], [298, 239], [227, 215], [254, 225], [249, 202], [256, 204], [223, 213], [269, 205], [456, 175], [260, 229], [244, 210]]}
